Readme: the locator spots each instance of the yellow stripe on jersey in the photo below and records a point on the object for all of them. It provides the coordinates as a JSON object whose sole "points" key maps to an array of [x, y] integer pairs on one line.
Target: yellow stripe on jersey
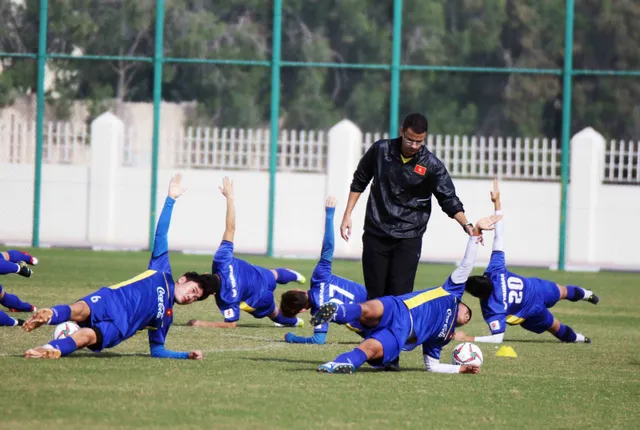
{"points": [[141, 276], [404, 159], [514, 320], [352, 328], [425, 297], [245, 307]]}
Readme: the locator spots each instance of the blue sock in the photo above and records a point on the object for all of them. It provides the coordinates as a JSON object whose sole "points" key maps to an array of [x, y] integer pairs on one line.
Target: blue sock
{"points": [[348, 313], [6, 320], [574, 293], [61, 313], [357, 357], [281, 319], [285, 276], [18, 256], [13, 302], [8, 267], [66, 345], [566, 334]]}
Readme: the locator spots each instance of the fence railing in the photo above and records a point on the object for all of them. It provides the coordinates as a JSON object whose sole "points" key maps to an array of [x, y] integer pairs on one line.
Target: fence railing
{"points": [[306, 151], [622, 162]]}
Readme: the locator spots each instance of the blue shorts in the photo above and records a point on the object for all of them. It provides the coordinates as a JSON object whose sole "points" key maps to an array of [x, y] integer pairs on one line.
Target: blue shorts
{"points": [[103, 319], [393, 330], [548, 292], [264, 304], [538, 321]]}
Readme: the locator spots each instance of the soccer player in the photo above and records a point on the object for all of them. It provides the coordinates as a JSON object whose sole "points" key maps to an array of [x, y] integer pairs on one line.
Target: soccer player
{"points": [[14, 304], [397, 323], [508, 298], [113, 314], [244, 286], [325, 287]]}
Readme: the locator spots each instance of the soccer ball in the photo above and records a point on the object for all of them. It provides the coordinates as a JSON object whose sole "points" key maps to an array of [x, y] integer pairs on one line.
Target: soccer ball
{"points": [[467, 353], [64, 330]]}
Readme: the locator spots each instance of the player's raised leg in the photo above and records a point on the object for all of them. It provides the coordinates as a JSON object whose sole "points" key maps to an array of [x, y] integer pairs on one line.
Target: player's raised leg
{"points": [[573, 293], [368, 313], [14, 303], [78, 312], [15, 256], [284, 276]]}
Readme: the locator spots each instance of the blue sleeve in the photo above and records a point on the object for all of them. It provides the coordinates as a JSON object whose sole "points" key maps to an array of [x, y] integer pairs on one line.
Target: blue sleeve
{"points": [[160, 255], [156, 346], [231, 312], [316, 339], [494, 315], [456, 290], [432, 350], [223, 257], [328, 242], [497, 262]]}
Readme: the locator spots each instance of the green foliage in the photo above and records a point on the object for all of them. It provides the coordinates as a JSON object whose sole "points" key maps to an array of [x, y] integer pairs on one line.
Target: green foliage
{"points": [[493, 33]]}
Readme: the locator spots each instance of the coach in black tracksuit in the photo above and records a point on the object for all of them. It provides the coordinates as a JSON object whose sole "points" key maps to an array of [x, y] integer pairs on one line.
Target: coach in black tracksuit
{"points": [[405, 175]]}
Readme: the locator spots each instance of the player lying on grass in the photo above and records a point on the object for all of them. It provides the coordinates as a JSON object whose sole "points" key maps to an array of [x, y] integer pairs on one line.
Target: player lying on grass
{"points": [[508, 298], [244, 286], [397, 323], [113, 314], [14, 262], [325, 287]]}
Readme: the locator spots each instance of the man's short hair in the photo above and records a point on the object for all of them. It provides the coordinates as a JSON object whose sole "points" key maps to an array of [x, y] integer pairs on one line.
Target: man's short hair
{"points": [[209, 283], [416, 122], [292, 302], [479, 286]]}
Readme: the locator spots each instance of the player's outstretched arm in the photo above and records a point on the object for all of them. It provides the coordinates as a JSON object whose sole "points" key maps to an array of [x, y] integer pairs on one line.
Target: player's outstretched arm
{"points": [[498, 240], [161, 243], [328, 241], [318, 338], [158, 350], [230, 222], [432, 364], [461, 336]]}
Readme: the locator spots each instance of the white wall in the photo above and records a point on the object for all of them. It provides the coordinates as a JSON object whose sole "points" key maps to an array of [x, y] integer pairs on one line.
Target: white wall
{"points": [[601, 218]]}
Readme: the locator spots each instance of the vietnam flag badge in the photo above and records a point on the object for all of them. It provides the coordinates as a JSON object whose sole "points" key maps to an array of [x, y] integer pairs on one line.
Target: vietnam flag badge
{"points": [[169, 312], [420, 170]]}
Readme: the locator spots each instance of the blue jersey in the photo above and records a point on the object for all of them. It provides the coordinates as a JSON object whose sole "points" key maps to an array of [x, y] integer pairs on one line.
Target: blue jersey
{"points": [[514, 298], [434, 313], [326, 287], [243, 286]]}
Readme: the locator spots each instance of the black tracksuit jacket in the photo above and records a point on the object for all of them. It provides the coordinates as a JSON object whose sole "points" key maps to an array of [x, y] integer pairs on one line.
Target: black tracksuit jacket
{"points": [[399, 205]]}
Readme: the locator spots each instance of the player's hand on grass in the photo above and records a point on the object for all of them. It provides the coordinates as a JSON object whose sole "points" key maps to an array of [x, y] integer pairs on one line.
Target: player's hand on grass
{"points": [[175, 186], [331, 202], [195, 355], [461, 336], [227, 187], [345, 227], [467, 368], [194, 323]]}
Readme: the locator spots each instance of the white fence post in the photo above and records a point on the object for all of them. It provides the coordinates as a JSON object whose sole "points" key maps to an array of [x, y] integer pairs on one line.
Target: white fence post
{"points": [[343, 154], [107, 136], [587, 171]]}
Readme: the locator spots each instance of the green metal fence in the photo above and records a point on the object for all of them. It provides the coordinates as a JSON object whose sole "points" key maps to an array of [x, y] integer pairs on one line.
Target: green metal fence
{"points": [[276, 64]]}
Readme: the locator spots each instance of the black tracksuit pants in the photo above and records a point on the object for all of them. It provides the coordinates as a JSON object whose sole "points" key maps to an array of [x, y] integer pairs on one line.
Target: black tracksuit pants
{"points": [[389, 265]]}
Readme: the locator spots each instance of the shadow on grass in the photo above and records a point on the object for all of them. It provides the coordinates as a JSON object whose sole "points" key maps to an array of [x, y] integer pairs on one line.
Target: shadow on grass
{"points": [[317, 363], [532, 341]]}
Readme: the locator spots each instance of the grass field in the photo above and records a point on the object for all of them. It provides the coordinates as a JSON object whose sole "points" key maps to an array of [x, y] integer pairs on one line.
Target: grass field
{"points": [[251, 379]]}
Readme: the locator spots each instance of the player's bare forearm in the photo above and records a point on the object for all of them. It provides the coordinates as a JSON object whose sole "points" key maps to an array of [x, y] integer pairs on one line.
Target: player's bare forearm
{"points": [[212, 324], [230, 222]]}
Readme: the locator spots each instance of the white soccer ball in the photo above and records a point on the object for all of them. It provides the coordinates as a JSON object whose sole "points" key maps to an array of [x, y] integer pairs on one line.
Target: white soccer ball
{"points": [[467, 353], [64, 330]]}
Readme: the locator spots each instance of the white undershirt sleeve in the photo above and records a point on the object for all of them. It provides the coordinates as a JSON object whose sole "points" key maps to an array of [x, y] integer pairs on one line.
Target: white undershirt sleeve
{"points": [[498, 238], [462, 272], [496, 338], [435, 366]]}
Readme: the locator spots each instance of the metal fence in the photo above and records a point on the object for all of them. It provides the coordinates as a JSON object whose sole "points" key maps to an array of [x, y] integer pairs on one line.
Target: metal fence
{"points": [[262, 149]]}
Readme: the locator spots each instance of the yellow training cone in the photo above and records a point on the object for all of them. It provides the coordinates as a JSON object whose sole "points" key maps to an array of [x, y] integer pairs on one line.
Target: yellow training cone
{"points": [[506, 351]]}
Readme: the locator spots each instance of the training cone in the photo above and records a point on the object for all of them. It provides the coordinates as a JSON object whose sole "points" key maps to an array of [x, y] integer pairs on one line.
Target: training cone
{"points": [[506, 351]]}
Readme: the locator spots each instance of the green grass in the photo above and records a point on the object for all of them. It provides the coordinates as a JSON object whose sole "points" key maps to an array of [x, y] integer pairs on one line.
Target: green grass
{"points": [[251, 379]]}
